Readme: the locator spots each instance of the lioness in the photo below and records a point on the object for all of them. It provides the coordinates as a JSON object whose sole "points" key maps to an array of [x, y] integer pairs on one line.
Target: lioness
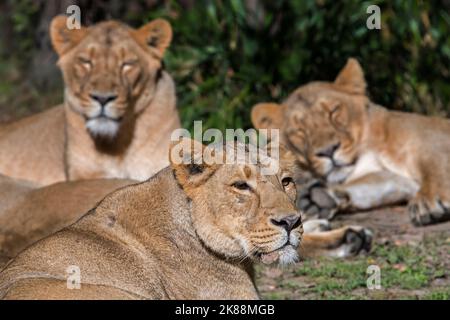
{"points": [[368, 155], [28, 214], [190, 232], [118, 113]]}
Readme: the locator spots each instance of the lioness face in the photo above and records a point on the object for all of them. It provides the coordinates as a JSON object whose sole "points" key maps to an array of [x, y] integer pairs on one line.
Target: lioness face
{"points": [[240, 213], [107, 67], [329, 133], [323, 122]]}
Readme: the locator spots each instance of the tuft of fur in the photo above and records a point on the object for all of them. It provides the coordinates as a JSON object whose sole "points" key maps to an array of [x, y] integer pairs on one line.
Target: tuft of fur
{"points": [[103, 128]]}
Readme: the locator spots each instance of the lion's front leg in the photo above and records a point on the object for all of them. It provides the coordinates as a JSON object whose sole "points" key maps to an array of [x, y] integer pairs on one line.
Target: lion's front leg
{"points": [[370, 191], [338, 243]]}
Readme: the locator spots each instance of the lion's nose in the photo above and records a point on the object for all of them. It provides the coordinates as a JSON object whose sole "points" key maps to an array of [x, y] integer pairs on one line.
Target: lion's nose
{"points": [[103, 99], [288, 223]]}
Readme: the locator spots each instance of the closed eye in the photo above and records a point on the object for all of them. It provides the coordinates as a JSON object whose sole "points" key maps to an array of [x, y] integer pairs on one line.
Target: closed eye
{"points": [[129, 63], [329, 151], [241, 185], [85, 61]]}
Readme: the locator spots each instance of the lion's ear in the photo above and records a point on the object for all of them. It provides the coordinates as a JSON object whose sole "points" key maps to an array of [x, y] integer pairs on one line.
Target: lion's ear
{"points": [[188, 163], [267, 116], [351, 77], [156, 34], [63, 38]]}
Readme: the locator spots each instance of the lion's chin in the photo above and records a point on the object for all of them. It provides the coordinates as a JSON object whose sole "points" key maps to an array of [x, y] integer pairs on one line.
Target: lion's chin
{"points": [[103, 128], [284, 256], [340, 174]]}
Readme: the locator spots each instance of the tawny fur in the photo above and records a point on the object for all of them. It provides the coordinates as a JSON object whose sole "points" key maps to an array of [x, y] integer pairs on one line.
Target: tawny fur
{"points": [[28, 214], [108, 59], [368, 155], [167, 238]]}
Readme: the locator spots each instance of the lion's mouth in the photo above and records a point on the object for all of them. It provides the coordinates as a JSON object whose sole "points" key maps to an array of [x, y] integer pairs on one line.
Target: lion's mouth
{"points": [[278, 254], [104, 117]]}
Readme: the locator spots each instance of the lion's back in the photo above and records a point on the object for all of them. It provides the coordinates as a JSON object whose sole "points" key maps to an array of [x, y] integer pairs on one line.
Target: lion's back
{"points": [[72, 252], [33, 147]]}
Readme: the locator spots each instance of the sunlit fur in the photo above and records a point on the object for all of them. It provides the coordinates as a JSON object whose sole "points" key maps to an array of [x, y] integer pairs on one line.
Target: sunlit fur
{"points": [[379, 157], [183, 234]]}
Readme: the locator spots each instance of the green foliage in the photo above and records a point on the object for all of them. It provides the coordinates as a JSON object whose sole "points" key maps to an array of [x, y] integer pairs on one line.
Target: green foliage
{"points": [[24, 20], [226, 57]]}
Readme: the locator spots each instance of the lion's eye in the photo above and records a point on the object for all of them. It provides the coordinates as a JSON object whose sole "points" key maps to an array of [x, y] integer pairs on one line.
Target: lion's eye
{"points": [[287, 181], [241, 185], [85, 62], [128, 64]]}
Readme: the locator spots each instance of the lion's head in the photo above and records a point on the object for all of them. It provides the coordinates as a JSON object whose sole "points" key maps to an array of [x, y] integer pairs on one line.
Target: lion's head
{"points": [[110, 70], [322, 122], [237, 211]]}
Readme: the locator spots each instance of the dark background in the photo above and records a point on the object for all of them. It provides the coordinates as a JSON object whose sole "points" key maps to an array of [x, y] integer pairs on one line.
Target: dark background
{"points": [[228, 55]]}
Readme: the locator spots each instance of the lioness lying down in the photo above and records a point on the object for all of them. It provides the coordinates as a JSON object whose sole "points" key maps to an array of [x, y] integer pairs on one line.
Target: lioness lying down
{"points": [[368, 156], [118, 113], [192, 231], [28, 214]]}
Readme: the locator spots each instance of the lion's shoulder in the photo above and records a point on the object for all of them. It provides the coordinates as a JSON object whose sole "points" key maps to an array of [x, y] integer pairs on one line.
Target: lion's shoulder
{"points": [[50, 118], [33, 147]]}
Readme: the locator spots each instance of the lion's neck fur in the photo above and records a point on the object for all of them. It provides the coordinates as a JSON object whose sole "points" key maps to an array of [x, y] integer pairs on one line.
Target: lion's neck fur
{"points": [[139, 150], [159, 230]]}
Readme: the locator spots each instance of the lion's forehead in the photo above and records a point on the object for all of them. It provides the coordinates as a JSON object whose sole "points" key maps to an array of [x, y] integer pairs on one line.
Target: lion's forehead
{"points": [[109, 32], [100, 51], [110, 40], [244, 153]]}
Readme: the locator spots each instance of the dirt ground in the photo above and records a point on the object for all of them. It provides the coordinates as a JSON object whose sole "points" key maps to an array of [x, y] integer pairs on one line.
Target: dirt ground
{"points": [[414, 264]]}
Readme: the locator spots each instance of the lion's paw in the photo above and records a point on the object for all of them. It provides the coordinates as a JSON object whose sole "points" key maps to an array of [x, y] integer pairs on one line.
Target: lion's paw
{"points": [[423, 211], [357, 239], [317, 202]]}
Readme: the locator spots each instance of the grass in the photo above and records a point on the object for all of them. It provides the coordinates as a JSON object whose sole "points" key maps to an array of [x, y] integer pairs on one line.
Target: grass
{"points": [[407, 272]]}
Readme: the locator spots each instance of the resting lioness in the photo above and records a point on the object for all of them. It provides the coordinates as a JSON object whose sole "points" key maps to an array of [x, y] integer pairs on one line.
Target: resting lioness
{"points": [[28, 214], [119, 108], [368, 155], [190, 232]]}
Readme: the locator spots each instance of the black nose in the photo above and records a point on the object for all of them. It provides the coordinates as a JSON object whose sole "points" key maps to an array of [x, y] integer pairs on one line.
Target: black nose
{"points": [[103, 99], [328, 151], [289, 222]]}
